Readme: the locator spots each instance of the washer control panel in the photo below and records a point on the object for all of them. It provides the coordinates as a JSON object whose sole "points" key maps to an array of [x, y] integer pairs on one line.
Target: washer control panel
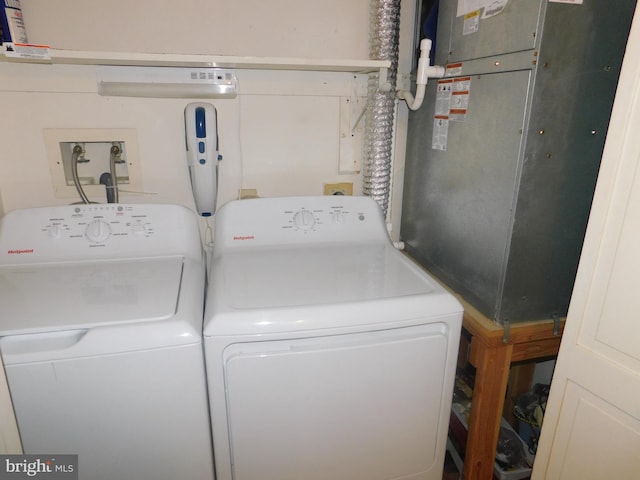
{"points": [[98, 224], [113, 230]]}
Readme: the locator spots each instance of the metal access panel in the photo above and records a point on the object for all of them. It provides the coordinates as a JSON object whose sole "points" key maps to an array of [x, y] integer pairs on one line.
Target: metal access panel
{"points": [[457, 209], [513, 30], [499, 210]]}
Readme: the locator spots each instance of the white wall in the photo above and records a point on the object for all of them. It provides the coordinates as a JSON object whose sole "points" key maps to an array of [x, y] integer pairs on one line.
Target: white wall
{"points": [[279, 136], [287, 28]]}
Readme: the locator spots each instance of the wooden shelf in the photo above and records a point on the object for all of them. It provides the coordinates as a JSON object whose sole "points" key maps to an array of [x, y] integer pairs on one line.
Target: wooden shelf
{"points": [[72, 57], [492, 353]]}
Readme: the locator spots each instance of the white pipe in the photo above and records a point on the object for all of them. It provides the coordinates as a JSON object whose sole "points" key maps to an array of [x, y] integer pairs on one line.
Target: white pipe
{"points": [[425, 71]]}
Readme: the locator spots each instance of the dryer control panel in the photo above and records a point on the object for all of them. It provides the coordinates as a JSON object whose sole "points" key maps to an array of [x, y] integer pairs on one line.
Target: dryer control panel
{"points": [[96, 230], [299, 220]]}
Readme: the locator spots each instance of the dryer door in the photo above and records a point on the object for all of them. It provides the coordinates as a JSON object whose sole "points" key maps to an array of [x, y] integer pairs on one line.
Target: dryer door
{"points": [[362, 406]]}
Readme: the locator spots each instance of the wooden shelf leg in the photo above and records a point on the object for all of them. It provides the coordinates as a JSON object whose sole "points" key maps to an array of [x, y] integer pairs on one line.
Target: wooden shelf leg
{"points": [[520, 381], [492, 373]]}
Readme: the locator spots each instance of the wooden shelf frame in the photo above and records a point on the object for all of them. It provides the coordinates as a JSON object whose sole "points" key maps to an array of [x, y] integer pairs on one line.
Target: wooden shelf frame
{"points": [[492, 357]]}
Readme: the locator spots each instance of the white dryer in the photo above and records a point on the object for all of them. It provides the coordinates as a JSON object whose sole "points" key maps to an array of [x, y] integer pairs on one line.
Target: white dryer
{"points": [[329, 353], [100, 324]]}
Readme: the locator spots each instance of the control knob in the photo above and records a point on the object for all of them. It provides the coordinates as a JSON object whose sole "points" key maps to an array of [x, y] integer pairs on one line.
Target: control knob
{"points": [[138, 229], [304, 220], [338, 217], [97, 231], [54, 231]]}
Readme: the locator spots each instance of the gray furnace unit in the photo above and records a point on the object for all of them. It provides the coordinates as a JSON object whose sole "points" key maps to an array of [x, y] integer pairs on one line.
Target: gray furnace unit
{"points": [[503, 156]]}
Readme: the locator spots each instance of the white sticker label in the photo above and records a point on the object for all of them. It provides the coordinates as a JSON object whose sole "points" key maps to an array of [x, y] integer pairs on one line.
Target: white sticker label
{"points": [[453, 70], [575, 2], [491, 7], [459, 105], [443, 97], [495, 8], [26, 50], [440, 132], [471, 23], [452, 98], [468, 6]]}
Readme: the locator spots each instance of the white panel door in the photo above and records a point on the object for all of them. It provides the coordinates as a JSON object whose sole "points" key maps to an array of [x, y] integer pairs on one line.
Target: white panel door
{"points": [[591, 428], [138, 415], [9, 436], [365, 406]]}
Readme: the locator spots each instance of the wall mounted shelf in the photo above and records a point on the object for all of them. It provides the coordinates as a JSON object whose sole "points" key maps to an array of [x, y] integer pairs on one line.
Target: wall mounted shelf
{"points": [[74, 57]]}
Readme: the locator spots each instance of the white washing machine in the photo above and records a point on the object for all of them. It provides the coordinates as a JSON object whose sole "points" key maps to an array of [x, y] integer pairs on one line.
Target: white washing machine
{"points": [[329, 353], [100, 318]]}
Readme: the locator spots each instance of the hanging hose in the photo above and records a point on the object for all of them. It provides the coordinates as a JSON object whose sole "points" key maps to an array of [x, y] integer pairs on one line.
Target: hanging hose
{"points": [[105, 179], [113, 155], [75, 154], [384, 37]]}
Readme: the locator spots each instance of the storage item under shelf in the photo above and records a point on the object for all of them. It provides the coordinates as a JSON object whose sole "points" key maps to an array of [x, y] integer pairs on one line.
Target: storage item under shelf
{"points": [[458, 427]]}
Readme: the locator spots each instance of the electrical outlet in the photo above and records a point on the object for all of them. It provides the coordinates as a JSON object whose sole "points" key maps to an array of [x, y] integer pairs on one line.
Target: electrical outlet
{"points": [[93, 149], [344, 188], [248, 193]]}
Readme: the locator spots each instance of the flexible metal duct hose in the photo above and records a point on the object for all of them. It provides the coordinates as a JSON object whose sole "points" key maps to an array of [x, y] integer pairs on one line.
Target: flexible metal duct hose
{"points": [[383, 45]]}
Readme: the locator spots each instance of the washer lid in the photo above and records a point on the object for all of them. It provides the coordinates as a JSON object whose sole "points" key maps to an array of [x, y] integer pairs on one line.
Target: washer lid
{"points": [[50, 297], [317, 276]]}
